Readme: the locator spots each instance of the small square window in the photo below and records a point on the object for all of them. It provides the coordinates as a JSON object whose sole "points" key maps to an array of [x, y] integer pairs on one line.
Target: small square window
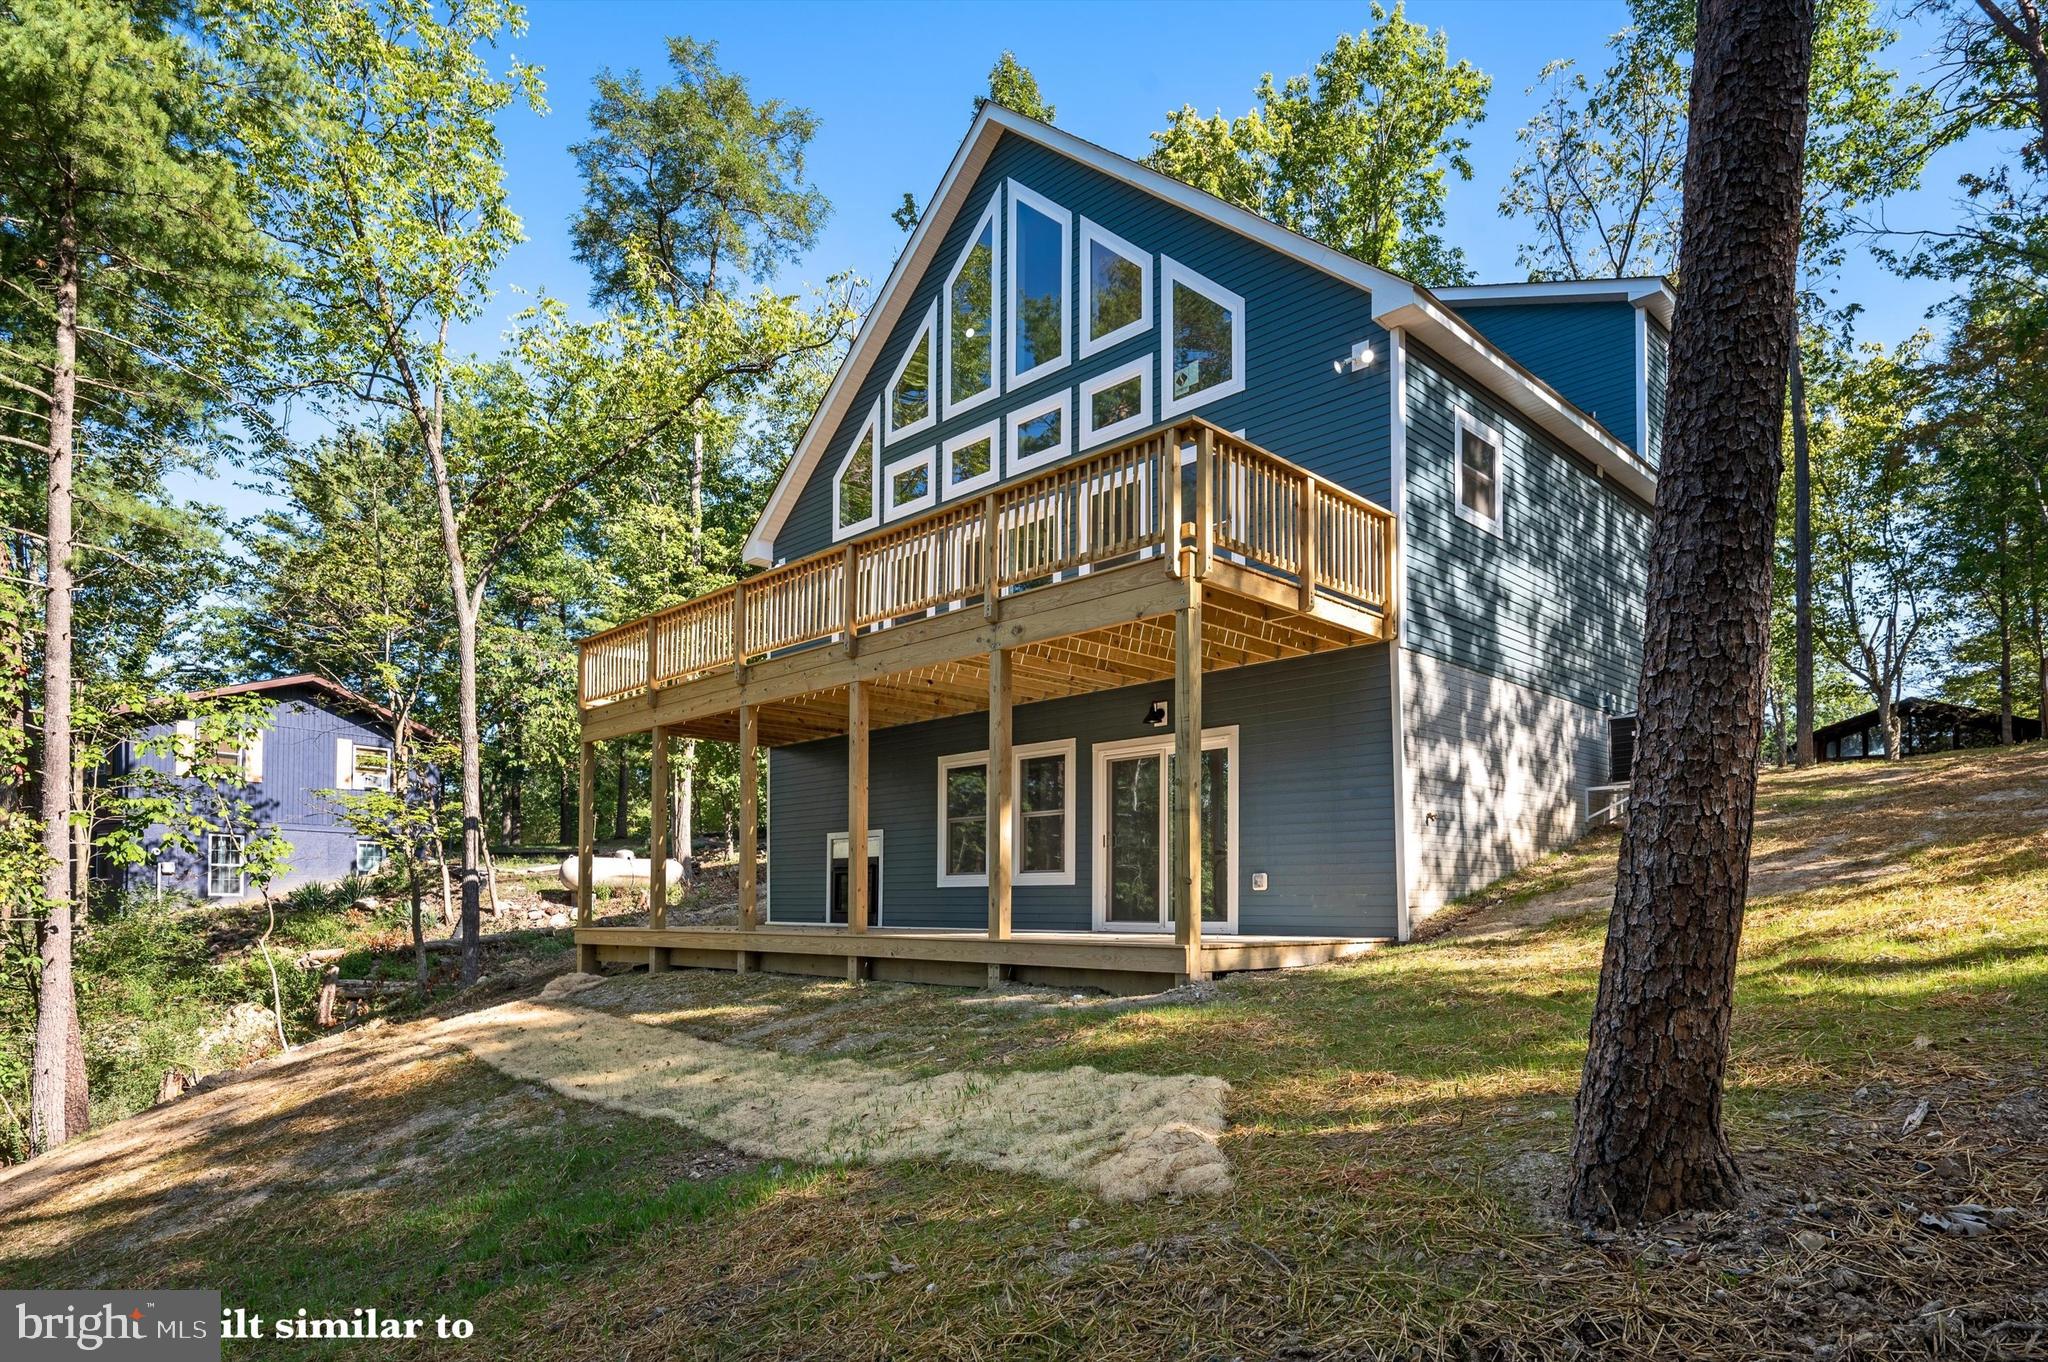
{"points": [[1116, 403], [372, 768], [908, 485], [369, 858], [970, 460], [1478, 474], [1039, 434]]}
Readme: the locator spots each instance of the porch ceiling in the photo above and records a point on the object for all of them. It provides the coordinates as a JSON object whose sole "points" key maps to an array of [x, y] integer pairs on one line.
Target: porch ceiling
{"points": [[1247, 618]]}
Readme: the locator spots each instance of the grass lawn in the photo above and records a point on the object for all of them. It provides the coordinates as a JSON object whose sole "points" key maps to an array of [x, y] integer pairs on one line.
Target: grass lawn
{"points": [[1398, 1127]]}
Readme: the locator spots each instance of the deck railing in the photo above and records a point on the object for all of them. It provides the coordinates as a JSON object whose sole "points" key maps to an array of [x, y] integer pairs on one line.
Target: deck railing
{"points": [[1136, 498]]}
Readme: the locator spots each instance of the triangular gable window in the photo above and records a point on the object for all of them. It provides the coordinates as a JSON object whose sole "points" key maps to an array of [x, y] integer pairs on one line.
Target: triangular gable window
{"points": [[973, 319], [912, 404], [853, 486]]}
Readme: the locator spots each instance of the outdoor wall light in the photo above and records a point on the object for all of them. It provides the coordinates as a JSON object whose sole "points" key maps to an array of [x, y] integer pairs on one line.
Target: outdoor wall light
{"points": [[1158, 716], [1357, 362]]}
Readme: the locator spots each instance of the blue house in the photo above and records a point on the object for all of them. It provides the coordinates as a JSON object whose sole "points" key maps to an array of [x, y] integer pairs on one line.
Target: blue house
{"points": [[320, 739], [1157, 591]]}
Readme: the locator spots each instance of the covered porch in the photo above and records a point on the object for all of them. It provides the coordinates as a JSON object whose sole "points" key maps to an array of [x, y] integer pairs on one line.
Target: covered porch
{"points": [[1182, 552]]}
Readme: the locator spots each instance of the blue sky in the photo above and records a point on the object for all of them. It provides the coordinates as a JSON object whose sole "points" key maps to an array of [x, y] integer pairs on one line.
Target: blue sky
{"points": [[894, 85]]}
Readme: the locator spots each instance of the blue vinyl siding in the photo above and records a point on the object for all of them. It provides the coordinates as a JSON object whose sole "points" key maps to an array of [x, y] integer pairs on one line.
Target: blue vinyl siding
{"points": [[1298, 322], [1660, 368], [1315, 814], [1555, 600], [1587, 351], [299, 766]]}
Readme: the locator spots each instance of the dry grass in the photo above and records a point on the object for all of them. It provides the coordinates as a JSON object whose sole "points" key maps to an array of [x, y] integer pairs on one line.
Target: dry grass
{"points": [[1397, 1129]]}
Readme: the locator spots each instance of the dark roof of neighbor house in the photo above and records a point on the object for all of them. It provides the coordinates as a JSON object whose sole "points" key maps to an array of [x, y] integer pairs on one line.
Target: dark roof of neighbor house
{"points": [[335, 691], [1936, 711]]}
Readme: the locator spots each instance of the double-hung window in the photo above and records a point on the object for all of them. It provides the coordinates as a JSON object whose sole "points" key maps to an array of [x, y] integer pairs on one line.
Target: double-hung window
{"points": [[225, 876], [1042, 816], [1478, 474]]}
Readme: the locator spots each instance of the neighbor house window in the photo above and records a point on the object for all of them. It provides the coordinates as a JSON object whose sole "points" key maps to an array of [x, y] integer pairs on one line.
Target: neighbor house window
{"points": [[972, 320], [225, 877], [1039, 231], [1202, 337], [853, 486], [1039, 432], [372, 769], [970, 459], [1478, 474], [369, 858], [1116, 403], [910, 484], [911, 404], [1116, 289], [243, 757], [1042, 826]]}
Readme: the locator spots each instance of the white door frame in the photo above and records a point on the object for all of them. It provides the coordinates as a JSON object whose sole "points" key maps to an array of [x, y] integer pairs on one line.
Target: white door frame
{"points": [[1213, 739]]}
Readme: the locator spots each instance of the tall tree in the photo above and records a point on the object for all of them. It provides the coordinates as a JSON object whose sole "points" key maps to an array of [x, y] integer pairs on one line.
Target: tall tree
{"points": [[689, 189], [128, 263], [1647, 1139], [1356, 154], [1011, 84]]}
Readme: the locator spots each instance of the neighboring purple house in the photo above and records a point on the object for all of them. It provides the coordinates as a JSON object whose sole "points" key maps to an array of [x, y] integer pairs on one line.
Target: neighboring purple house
{"points": [[322, 738]]}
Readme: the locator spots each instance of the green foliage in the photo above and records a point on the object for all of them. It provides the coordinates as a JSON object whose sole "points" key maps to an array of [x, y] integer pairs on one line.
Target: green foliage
{"points": [[1011, 84], [691, 184], [1357, 154]]}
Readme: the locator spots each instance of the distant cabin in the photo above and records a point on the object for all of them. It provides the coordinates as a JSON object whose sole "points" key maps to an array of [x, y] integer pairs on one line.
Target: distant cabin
{"points": [[322, 739], [1924, 726]]}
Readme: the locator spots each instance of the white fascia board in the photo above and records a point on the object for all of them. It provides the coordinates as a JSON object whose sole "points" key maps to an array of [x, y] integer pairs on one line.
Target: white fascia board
{"points": [[1649, 294], [1455, 339]]}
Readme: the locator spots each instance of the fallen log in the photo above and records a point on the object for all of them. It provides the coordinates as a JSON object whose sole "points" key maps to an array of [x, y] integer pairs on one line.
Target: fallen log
{"points": [[434, 945], [374, 988]]}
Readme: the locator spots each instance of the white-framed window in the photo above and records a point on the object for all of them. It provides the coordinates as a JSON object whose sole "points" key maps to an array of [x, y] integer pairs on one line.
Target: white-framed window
{"points": [[1042, 815], [1116, 289], [910, 484], [1201, 340], [913, 405], [1042, 432], [369, 767], [971, 461], [973, 320], [369, 857], [1041, 235], [1116, 403], [837, 871], [1477, 464], [854, 505], [225, 875]]}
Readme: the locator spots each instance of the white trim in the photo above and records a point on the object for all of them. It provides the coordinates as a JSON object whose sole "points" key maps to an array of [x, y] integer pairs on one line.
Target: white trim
{"points": [[1395, 302], [872, 430], [1467, 422], [1140, 368], [990, 431], [875, 848], [359, 781], [1646, 293], [1061, 402], [1397, 662], [989, 222], [929, 330], [1020, 195], [1064, 748], [929, 457], [1213, 739], [1092, 234], [1172, 272], [1643, 383]]}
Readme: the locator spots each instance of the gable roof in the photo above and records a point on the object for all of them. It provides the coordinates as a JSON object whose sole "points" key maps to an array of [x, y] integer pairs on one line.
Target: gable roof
{"points": [[1397, 303], [312, 681]]}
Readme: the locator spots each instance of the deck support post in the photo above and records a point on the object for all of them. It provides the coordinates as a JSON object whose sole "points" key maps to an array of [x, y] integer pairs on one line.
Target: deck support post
{"points": [[586, 837], [1308, 524], [856, 809], [1184, 822], [657, 846], [1001, 797], [750, 817]]}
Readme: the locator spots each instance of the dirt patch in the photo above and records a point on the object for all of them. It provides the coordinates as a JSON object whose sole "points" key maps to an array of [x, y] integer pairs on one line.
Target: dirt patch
{"points": [[1122, 1136]]}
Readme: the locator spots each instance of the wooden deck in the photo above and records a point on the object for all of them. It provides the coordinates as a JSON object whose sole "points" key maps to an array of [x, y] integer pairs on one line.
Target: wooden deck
{"points": [[1117, 962]]}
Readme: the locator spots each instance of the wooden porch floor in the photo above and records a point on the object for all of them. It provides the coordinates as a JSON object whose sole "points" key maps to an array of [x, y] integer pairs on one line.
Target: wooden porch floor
{"points": [[1117, 962]]}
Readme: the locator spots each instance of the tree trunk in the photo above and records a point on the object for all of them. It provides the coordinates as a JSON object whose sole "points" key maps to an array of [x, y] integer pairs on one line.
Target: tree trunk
{"points": [[2004, 633], [1802, 557], [1647, 1140], [51, 1082], [565, 807], [419, 934], [619, 828], [684, 828]]}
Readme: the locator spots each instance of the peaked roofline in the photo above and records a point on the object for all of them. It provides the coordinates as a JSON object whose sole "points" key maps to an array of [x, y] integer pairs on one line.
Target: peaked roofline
{"points": [[1397, 303], [317, 682]]}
